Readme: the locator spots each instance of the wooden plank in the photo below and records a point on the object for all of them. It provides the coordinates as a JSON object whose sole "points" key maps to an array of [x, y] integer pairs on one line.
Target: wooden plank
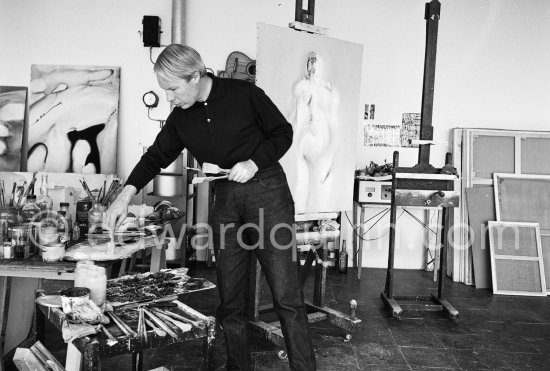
{"points": [[432, 14], [425, 176], [335, 317], [300, 26], [425, 184], [73, 359], [426, 198], [481, 210]]}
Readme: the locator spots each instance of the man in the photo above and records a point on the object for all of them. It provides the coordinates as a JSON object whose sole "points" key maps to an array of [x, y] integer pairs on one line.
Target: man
{"points": [[233, 124]]}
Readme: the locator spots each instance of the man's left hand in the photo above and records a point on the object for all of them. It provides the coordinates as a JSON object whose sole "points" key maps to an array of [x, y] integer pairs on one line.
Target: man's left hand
{"points": [[243, 171]]}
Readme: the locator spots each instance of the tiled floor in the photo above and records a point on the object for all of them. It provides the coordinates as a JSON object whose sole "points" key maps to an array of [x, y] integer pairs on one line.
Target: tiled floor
{"points": [[494, 332]]}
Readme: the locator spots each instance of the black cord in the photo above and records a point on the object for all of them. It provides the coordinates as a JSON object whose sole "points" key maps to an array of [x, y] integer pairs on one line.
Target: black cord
{"points": [[371, 239]]}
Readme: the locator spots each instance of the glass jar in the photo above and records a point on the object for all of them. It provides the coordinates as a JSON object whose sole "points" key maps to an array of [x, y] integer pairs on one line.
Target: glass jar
{"points": [[95, 218], [94, 277], [8, 218]]}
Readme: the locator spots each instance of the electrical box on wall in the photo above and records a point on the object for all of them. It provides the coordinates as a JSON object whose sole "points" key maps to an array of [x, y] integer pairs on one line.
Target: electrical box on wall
{"points": [[151, 31], [372, 192]]}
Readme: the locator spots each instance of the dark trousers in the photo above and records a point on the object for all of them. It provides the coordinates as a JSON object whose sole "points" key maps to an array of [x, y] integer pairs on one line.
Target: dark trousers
{"points": [[257, 217]]}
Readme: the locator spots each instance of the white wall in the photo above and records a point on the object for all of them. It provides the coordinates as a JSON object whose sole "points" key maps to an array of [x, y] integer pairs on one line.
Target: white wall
{"points": [[492, 63]]}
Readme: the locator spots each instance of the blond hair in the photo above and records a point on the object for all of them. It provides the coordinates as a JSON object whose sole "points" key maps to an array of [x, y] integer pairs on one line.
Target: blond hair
{"points": [[179, 62]]}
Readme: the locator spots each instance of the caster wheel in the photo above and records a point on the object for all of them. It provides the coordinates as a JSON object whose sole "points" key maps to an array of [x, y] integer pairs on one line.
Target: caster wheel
{"points": [[282, 354], [347, 338]]}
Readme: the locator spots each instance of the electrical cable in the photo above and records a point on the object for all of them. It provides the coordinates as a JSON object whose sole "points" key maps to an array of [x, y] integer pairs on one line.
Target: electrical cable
{"points": [[151, 55], [371, 239]]}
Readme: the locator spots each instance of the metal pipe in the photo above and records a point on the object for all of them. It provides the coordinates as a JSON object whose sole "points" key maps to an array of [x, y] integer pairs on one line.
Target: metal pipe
{"points": [[179, 13]]}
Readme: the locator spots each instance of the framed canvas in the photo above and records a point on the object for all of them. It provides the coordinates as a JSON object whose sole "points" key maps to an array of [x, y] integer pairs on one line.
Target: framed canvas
{"points": [[13, 101], [73, 119], [517, 266]]}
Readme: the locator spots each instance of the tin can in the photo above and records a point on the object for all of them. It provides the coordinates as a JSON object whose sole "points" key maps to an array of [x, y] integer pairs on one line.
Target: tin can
{"points": [[19, 237]]}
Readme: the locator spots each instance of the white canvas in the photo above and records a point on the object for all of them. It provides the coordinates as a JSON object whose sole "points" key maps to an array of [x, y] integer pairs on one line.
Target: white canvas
{"points": [[13, 100], [315, 82], [73, 119]]}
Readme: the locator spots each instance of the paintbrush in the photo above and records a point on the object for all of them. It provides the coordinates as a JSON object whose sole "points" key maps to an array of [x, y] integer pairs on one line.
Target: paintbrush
{"points": [[199, 324], [86, 189], [112, 340], [202, 179], [160, 323], [118, 322], [13, 193]]}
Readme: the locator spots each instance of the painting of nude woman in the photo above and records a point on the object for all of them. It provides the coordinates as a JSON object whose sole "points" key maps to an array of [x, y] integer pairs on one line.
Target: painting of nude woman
{"points": [[73, 119], [315, 82]]}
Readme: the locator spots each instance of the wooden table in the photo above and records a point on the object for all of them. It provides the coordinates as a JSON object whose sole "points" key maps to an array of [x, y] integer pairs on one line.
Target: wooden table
{"points": [[87, 352], [19, 280]]}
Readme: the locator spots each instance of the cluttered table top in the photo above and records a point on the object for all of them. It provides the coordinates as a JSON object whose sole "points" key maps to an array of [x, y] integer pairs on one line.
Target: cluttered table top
{"points": [[142, 311]]}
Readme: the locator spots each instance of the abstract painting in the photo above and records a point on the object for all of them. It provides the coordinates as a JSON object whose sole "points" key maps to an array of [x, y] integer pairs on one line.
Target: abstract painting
{"points": [[382, 135], [73, 119], [410, 129], [13, 100], [314, 80]]}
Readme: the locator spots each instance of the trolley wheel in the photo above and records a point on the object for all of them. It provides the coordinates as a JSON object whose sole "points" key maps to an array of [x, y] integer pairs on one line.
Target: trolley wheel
{"points": [[282, 354], [347, 338]]}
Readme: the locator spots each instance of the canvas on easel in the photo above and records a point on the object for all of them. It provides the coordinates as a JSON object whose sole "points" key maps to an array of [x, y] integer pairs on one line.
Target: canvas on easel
{"points": [[315, 81]]}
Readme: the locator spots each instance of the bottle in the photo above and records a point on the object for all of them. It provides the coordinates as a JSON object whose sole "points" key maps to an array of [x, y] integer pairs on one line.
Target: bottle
{"points": [[343, 259], [30, 213], [64, 206], [63, 227], [44, 201], [94, 277], [76, 232], [83, 206]]}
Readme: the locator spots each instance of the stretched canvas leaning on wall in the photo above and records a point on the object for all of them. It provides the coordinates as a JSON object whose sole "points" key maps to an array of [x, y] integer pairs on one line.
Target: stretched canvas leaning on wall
{"points": [[315, 82], [13, 101], [73, 119]]}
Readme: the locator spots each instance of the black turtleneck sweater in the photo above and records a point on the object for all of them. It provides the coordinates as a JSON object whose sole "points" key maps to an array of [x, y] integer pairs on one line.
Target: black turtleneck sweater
{"points": [[237, 122]]}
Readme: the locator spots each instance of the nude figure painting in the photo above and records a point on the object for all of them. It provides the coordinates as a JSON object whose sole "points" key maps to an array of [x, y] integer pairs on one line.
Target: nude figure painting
{"points": [[73, 119], [315, 82]]}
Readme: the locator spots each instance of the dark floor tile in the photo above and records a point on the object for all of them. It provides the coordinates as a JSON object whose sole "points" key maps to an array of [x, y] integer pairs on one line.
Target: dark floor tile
{"points": [[416, 339], [426, 357], [539, 330], [372, 354], [461, 341], [373, 334], [332, 352], [479, 360], [269, 361], [407, 324]]}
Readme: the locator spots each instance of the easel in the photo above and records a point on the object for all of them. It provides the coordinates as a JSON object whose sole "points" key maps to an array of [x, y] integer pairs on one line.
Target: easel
{"points": [[423, 185], [318, 253], [317, 311]]}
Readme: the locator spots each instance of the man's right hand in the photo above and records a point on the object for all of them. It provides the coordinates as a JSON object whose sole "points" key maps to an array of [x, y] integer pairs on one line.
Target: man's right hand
{"points": [[116, 213]]}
